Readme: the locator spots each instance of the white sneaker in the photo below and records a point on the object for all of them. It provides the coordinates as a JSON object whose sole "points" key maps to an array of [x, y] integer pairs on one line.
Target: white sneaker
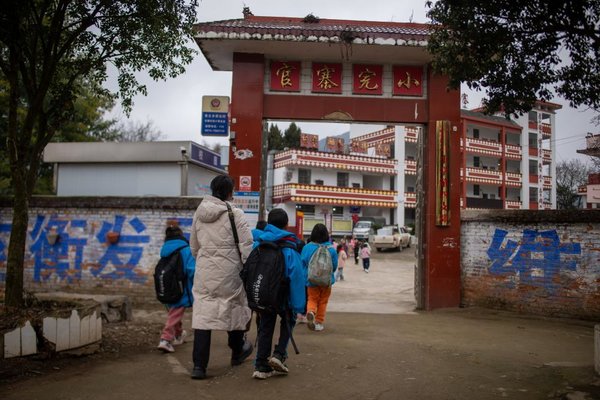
{"points": [[319, 327], [310, 320], [165, 346], [278, 365], [262, 375], [300, 319], [367, 271], [180, 339]]}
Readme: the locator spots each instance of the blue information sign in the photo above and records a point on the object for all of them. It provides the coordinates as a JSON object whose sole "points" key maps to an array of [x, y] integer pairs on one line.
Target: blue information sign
{"points": [[215, 124]]}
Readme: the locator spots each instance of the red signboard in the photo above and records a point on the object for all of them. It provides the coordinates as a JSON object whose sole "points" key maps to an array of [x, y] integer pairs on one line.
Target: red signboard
{"points": [[309, 141], [299, 224], [327, 78], [408, 81], [359, 147], [367, 79], [285, 76]]}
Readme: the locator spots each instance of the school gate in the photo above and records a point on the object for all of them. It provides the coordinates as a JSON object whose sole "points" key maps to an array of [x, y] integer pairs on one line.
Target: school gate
{"points": [[315, 69]]}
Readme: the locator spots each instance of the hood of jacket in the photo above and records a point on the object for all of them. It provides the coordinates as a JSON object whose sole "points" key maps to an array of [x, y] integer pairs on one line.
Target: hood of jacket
{"points": [[211, 209], [273, 234], [171, 245]]}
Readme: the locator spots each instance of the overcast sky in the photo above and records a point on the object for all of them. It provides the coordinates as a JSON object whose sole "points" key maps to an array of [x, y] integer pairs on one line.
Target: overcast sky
{"points": [[174, 106]]}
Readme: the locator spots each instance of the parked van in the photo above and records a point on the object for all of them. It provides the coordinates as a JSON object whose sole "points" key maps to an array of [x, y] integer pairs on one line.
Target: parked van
{"points": [[366, 227]]}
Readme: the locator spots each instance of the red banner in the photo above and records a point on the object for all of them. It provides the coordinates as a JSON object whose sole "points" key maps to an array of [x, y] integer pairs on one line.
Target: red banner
{"points": [[408, 81], [367, 79], [309, 141], [300, 224], [285, 76], [327, 78]]}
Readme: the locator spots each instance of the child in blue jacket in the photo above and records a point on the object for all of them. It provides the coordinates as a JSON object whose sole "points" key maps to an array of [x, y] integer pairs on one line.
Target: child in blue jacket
{"points": [[173, 333], [318, 296], [265, 364]]}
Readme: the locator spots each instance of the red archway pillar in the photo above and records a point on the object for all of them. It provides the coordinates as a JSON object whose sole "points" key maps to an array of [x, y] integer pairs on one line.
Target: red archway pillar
{"points": [[246, 116], [441, 244]]}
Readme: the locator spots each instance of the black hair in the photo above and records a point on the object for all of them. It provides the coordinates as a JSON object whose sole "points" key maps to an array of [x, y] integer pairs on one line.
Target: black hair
{"points": [[340, 247], [319, 234], [278, 218], [173, 232], [222, 187], [260, 225]]}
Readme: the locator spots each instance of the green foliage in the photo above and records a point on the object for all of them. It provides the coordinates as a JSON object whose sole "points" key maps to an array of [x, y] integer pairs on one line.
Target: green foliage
{"points": [[275, 138], [291, 136], [519, 51]]}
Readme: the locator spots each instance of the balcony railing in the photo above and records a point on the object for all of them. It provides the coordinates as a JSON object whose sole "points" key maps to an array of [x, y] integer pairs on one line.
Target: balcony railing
{"points": [[410, 167], [513, 204], [344, 162], [480, 175], [514, 179], [334, 195], [410, 199], [513, 151], [492, 148], [546, 128], [546, 156], [477, 202], [547, 182]]}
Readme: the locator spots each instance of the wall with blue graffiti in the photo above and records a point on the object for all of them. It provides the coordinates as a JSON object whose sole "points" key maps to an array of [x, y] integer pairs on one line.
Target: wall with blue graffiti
{"points": [[544, 267], [70, 249]]}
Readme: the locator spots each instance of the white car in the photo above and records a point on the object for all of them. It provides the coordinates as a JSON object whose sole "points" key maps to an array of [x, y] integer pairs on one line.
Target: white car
{"points": [[391, 237]]}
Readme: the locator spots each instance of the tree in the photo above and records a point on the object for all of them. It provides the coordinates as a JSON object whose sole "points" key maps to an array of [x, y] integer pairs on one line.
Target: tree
{"points": [[569, 176], [136, 132], [291, 136], [48, 51], [519, 51], [275, 138]]}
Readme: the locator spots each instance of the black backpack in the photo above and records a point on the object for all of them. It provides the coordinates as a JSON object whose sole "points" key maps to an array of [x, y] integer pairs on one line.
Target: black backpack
{"points": [[264, 277], [169, 277]]}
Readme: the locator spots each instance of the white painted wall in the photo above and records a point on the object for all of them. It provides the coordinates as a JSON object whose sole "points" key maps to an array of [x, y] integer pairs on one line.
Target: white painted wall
{"points": [[199, 180], [119, 180]]}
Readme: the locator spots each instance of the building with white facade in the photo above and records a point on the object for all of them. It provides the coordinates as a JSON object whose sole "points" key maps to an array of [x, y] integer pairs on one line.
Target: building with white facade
{"points": [[170, 168], [505, 164]]}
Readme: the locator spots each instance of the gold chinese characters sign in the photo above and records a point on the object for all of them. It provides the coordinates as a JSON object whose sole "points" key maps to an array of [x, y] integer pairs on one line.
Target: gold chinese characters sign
{"points": [[285, 76], [442, 181]]}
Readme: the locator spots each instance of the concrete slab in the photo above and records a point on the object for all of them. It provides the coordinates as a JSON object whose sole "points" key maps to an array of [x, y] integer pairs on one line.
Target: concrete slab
{"points": [[114, 308], [28, 340], [12, 343]]}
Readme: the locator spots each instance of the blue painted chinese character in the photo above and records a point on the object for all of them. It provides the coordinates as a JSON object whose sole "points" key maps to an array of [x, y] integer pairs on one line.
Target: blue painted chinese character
{"points": [[53, 257], [123, 256]]}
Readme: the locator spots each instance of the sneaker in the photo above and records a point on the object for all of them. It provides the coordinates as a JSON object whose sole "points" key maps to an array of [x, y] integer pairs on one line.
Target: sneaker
{"points": [[310, 320], [198, 373], [277, 364], [262, 374], [180, 339], [301, 319], [165, 346], [319, 327], [246, 351], [367, 271]]}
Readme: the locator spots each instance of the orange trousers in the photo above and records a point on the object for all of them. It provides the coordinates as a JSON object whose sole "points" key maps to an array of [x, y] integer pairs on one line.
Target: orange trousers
{"points": [[318, 297]]}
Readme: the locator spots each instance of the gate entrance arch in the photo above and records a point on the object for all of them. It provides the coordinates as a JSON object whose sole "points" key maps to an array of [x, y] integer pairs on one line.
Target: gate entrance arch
{"points": [[353, 71]]}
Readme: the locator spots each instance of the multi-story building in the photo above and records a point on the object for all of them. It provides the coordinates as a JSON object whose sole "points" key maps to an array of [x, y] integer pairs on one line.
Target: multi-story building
{"points": [[506, 164]]}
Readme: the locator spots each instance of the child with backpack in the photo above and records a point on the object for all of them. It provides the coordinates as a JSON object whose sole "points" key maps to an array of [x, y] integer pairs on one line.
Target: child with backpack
{"points": [[365, 254], [276, 261], [173, 333], [321, 261]]}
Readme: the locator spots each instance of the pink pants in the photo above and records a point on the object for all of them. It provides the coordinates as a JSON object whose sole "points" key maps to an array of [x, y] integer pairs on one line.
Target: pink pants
{"points": [[173, 326]]}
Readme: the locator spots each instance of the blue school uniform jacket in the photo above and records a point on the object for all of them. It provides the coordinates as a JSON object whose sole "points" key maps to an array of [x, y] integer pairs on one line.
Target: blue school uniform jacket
{"points": [[189, 267], [309, 250]]}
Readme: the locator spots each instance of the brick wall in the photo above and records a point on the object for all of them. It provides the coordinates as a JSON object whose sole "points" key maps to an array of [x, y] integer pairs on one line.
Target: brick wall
{"points": [[539, 262], [82, 260]]}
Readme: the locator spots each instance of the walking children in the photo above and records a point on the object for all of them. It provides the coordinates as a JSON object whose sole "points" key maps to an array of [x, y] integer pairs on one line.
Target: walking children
{"points": [[365, 254], [173, 333], [357, 247], [342, 256], [318, 293], [293, 297]]}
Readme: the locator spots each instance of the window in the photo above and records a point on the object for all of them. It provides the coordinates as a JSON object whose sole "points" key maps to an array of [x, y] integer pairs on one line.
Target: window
{"points": [[410, 189], [476, 190], [356, 185], [476, 133], [319, 182], [306, 208], [338, 211], [532, 116], [304, 176], [476, 161], [343, 179]]}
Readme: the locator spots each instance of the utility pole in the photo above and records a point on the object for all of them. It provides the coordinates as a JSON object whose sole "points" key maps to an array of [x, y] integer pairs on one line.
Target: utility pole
{"points": [[262, 212]]}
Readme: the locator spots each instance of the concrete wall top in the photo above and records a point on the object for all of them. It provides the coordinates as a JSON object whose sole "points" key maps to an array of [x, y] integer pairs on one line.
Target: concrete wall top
{"points": [[157, 203], [532, 216]]}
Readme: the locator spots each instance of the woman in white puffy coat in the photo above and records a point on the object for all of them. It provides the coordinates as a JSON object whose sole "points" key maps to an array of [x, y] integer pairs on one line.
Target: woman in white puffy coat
{"points": [[219, 297]]}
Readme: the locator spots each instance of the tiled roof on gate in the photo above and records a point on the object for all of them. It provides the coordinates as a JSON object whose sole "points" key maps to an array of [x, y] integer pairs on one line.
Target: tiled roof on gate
{"points": [[365, 30]]}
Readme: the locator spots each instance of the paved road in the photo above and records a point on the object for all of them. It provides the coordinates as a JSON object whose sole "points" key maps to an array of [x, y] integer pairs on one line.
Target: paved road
{"points": [[393, 354]]}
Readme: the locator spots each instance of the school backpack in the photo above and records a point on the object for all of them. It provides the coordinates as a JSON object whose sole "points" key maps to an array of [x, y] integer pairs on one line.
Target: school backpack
{"points": [[264, 277], [320, 267], [169, 277]]}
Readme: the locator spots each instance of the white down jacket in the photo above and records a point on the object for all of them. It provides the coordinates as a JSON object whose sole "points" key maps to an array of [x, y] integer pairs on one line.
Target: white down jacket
{"points": [[219, 297]]}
